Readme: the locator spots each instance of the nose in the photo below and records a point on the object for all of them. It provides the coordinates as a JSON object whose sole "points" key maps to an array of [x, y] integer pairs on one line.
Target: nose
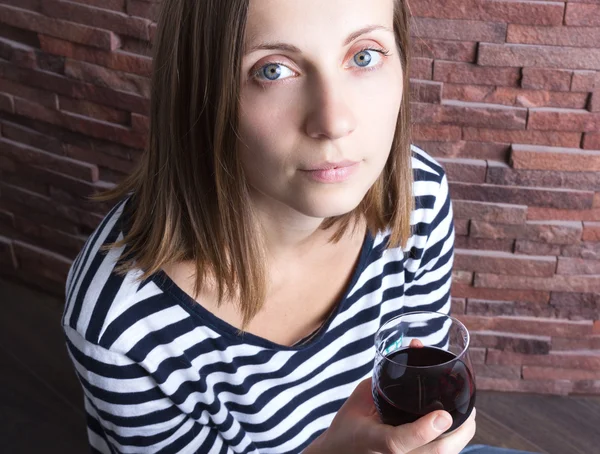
{"points": [[330, 116]]}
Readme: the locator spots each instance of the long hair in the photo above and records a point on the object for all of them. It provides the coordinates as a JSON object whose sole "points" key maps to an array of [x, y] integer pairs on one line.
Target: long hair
{"points": [[189, 196]]}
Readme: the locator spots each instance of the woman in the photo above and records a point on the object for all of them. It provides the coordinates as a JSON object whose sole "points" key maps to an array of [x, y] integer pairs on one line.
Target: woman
{"points": [[228, 302]]}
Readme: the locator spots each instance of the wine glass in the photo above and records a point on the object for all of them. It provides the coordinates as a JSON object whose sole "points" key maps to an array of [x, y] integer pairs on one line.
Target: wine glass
{"points": [[422, 364]]}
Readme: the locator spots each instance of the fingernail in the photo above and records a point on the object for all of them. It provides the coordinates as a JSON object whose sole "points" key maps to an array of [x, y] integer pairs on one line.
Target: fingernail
{"points": [[442, 422]]}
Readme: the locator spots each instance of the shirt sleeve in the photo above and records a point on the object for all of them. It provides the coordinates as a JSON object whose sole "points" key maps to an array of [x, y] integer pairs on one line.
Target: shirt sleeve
{"points": [[428, 288], [127, 412]]}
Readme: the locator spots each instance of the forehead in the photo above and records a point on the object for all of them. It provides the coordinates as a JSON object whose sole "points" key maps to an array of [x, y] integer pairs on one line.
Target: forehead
{"points": [[307, 21]]}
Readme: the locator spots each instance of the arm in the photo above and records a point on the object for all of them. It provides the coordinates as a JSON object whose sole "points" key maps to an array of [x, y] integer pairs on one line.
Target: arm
{"points": [[127, 411]]}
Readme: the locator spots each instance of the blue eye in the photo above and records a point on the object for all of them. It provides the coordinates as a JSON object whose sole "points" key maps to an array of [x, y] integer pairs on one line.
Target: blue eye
{"points": [[363, 58], [272, 71]]}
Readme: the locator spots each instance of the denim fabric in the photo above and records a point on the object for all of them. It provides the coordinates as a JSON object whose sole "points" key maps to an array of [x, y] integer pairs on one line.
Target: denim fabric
{"points": [[483, 449]]}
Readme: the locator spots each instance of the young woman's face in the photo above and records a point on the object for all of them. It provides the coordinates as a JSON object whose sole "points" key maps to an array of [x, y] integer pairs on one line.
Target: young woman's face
{"points": [[319, 102]]}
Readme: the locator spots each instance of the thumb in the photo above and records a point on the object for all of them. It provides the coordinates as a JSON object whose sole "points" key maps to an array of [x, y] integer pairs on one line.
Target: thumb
{"points": [[408, 437]]}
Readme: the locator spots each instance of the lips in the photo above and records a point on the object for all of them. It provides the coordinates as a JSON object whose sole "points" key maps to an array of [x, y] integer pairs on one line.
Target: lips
{"points": [[332, 172], [331, 165]]}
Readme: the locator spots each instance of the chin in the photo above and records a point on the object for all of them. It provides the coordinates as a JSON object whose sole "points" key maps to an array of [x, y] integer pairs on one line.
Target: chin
{"points": [[331, 208]]}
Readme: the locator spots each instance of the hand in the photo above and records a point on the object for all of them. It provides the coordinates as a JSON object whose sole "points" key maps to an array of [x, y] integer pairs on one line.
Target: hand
{"points": [[357, 429]]}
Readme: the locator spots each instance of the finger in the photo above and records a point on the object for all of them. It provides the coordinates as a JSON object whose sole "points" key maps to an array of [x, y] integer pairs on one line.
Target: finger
{"points": [[416, 343], [453, 442], [408, 437]]}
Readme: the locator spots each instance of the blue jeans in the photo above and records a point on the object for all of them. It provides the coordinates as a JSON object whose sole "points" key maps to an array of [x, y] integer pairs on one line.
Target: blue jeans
{"points": [[483, 449]]}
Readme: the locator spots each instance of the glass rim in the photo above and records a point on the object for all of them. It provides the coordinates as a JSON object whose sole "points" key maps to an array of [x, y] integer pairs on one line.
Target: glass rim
{"points": [[440, 314]]}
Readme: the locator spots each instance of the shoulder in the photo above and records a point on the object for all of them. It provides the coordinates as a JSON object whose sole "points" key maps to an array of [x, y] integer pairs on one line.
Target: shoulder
{"points": [[426, 168], [98, 299]]}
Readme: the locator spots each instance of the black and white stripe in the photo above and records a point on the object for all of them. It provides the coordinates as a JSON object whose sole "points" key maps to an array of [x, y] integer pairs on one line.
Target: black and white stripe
{"points": [[162, 374]]}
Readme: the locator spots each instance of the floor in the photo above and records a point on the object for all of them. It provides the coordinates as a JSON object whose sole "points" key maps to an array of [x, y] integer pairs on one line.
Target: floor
{"points": [[40, 398]]}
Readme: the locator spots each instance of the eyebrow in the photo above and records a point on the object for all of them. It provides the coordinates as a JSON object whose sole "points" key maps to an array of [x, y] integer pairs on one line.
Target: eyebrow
{"points": [[293, 49]]}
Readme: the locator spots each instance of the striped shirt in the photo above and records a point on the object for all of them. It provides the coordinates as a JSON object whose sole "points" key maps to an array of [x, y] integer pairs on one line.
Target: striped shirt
{"points": [[160, 373]]}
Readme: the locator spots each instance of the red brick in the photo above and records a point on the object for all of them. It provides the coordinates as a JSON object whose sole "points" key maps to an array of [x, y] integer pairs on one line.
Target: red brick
{"points": [[514, 308], [462, 149], [105, 77], [554, 36], [458, 30], [557, 232], [22, 91], [458, 306], [47, 238], [594, 103], [98, 17], [546, 79], [504, 263], [444, 50], [75, 89], [41, 262], [477, 355], [558, 283], [421, 68], [541, 56], [461, 227], [508, 372], [500, 173], [32, 156], [467, 170], [543, 214], [143, 9], [576, 306], [582, 14], [468, 242], [589, 362], [490, 212], [140, 122], [36, 207], [510, 342], [471, 114], [528, 325], [573, 344], [527, 295], [519, 195], [101, 130], [8, 259], [467, 73], [63, 29], [462, 277], [577, 266], [591, 231], [591, 141], [436, 132], [535, 248], [584, 250], [554, 387], [119, 60], [99, 158], [563, 120], [115, 5], [534, 157], [514, 96], [93, 110], [584, 81], [586, 387], [516, 12], [18, 53], [7, 103], [425, 91], [557, 139], [556, 373]]}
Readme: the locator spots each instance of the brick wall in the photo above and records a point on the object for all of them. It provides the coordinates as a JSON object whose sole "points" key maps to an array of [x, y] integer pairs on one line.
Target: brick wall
{"points": [[506, 96]]}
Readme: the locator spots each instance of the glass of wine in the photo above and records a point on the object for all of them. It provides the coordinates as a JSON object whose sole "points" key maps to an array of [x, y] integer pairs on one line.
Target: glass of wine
{"points": [[421, 365]]}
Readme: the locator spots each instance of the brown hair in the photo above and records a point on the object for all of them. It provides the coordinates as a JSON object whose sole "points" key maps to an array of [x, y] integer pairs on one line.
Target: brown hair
{"points": [[189, 195]]}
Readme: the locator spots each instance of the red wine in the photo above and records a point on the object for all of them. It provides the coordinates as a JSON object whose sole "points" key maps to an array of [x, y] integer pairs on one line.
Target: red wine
{"points": [[436, 381]]}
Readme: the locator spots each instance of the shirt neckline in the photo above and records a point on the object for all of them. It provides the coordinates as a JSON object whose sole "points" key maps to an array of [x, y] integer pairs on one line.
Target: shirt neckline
{"points": [[169, 287]]}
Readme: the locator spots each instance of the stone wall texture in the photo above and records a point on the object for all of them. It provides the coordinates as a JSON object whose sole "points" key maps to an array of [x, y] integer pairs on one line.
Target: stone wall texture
{"points": [[506, 95]]}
